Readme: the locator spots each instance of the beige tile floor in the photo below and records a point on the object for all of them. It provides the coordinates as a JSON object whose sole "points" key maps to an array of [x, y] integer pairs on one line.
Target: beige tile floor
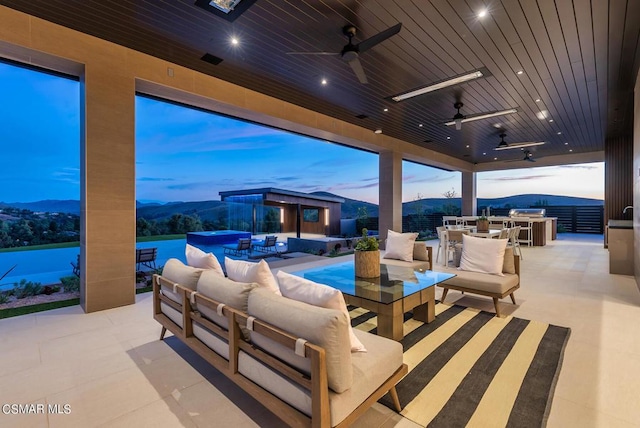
{"points": [[112, 371]]}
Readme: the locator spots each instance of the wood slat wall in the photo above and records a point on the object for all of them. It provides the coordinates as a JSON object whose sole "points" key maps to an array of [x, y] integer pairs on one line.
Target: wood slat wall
{"points": [[618, 178]]}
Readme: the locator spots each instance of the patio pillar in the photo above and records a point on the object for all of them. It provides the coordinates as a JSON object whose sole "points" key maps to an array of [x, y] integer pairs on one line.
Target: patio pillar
{"points": [[108, 209], [469, 198], [390, 193]]}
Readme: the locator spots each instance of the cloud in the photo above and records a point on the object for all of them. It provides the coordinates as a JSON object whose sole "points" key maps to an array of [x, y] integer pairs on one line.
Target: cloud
{"points": [[290, 178], [154, 179], [578, 166], [524, 177]]}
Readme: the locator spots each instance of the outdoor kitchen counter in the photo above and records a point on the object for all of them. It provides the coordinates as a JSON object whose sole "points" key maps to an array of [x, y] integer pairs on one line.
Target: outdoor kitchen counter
{"points": [[543, 229]]}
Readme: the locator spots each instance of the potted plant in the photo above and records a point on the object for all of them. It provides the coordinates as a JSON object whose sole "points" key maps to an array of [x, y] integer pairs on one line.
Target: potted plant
{"points": [[482, 224], [367, 256]]}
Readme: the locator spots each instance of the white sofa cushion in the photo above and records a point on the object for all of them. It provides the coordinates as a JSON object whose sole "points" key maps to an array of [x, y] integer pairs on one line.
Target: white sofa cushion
{"points": [[400, 246], [371, 369], [482, 255], [241, 271], [327, 328], [199, 259], [303, 290], [176, 271], [232, 293]]}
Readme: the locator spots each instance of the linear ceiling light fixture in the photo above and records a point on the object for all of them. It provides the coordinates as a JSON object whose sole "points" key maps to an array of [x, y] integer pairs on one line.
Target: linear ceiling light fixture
{"points": [[482, 116], [518, 145], [440, 85]]}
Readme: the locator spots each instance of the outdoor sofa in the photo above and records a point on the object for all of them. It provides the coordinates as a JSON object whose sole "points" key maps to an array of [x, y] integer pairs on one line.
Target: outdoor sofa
{"points": [[293, 357]]}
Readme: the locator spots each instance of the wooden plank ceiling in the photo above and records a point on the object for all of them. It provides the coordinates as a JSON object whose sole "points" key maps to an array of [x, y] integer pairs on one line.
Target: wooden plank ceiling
{"points": [[579, 60]]}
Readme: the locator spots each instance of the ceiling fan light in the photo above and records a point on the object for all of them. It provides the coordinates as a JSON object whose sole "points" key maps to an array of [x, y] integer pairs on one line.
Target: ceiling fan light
{"points": [[440, 85], [484, 116], [458, 123]]}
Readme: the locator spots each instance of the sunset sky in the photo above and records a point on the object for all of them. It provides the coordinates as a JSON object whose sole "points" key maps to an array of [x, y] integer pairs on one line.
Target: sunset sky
{"points": [[183, 154]]}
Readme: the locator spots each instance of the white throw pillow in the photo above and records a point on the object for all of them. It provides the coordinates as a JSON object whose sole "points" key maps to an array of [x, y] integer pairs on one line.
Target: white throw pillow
{"points": [[400, 246], [300, 289], [241, 271], [482, 254], [198, 258]]}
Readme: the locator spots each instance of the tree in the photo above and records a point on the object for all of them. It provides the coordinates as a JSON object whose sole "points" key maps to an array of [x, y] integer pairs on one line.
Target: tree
{"points": [[272, 220], [450, 208]]}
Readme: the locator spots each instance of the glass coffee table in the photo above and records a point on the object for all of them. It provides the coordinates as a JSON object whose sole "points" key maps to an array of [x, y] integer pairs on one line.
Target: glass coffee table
{"points": [[397, 290]]}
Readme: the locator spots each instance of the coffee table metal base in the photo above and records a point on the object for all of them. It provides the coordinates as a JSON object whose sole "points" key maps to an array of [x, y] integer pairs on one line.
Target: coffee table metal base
{"points": [[391, 316]]}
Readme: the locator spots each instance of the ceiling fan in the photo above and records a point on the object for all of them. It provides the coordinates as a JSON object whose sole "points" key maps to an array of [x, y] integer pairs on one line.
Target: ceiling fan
{"points": [[350, 53], [528, 157], [459, 118], [503, 145]]}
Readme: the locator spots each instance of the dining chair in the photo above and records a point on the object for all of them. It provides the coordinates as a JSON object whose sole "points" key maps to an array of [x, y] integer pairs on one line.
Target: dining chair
{"points": [[442, 235], [453, 237]]}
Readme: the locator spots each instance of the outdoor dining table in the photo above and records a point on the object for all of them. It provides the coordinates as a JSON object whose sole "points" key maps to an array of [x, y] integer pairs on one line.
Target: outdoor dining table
{"points": [[492, 233]]}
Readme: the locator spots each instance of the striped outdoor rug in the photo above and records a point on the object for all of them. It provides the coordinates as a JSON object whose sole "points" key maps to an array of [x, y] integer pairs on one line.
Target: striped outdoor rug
{"points": [[470, 368]]}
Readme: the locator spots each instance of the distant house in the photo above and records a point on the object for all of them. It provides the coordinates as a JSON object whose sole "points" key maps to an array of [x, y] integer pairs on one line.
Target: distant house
{"points": [[299, 212]]}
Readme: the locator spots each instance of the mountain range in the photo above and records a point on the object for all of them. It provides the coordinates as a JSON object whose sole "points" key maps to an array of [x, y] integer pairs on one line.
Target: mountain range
{"points": [[212, 210]]}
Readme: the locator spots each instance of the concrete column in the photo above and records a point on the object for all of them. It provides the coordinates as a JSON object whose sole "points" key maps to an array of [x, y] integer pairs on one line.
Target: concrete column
{"points": [[469, 198], [390, 189], [108, 210]]}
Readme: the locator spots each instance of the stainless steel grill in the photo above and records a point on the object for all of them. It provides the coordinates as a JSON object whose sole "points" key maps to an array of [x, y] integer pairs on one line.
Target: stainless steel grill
{"points": [[528, 212]]}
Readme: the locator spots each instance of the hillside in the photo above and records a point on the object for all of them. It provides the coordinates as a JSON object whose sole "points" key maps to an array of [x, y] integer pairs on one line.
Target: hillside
{"points": [[214, 210], [50, 206]]}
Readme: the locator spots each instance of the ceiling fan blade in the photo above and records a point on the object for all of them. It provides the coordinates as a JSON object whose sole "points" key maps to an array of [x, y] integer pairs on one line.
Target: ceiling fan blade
{"points": [[313, 53], [365, 45], [356, 66]]}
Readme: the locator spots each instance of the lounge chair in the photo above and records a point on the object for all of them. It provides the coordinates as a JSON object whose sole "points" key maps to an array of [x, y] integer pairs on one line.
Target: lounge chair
{"points": [[243, 246], [146, 257], [267, 245]]}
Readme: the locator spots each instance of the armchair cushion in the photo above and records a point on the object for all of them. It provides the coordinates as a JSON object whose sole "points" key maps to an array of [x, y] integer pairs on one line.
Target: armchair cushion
{"points": [[400, 246], [482, 255]]}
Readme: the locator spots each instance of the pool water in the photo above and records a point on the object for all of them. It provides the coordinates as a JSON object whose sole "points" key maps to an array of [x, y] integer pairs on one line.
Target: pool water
{"points": [[48, 266]]}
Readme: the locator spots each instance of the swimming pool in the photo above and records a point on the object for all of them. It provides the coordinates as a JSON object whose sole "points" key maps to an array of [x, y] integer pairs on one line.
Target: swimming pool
{"points": [[48, 266]]}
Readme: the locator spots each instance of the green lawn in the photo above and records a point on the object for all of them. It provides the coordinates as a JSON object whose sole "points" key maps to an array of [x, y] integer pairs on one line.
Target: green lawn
{"points": [[77, 244]]}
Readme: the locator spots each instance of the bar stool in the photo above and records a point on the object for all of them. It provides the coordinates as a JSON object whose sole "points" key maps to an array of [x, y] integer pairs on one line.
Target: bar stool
{"points": [[528, 229], [514, 240]]}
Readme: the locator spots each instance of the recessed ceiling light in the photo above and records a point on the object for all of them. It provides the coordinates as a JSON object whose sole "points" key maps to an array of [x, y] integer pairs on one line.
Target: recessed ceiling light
{"points": [[448, 138], [484, 153], [235, 41], [495, 158], [542, 115], [538, 100], [421, 125], [378, 131], [570, 150], [519, 72], [324, 81], [550, 120], [385, 110], [497, 125], [559, 133], [482, 13], [467, 146], [439, 85], [566, 144]]}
